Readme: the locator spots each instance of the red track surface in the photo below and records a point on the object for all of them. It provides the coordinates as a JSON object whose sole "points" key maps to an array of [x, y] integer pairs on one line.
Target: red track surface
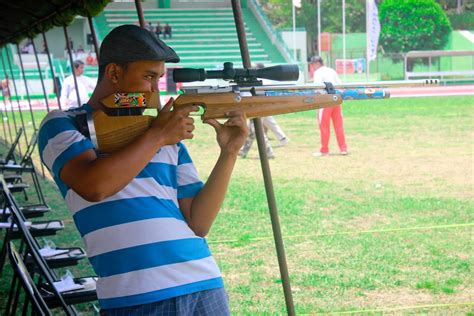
{"points": [[431, 91]]}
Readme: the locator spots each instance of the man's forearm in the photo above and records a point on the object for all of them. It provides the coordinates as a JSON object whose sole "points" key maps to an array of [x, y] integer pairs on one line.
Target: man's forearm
{"points": [[98, 178], [102, 177], [207, 203]]}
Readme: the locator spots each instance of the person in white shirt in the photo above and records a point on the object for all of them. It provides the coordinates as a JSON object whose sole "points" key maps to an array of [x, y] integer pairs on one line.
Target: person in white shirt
{"points": [[325, 115], [268, 122], [28, 48], [85, 86]]}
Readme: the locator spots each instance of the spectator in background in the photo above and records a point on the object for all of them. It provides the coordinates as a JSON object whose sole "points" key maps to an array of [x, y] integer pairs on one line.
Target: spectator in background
{"points": [[269, 122], [43, 51], [149, 27], [28, 48], [158, 30], [168, 31], [5, 90], [249, 142], [80, 49], [325, 115], [71, 44], [91, 59], [85, 86]]}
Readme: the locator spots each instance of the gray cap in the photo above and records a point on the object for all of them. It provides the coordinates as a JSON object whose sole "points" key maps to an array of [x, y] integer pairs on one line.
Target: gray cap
{"points": [[129, 43]]}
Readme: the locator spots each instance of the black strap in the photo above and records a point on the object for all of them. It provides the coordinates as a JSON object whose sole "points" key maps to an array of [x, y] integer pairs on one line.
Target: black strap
{"points": [[330, 88]]}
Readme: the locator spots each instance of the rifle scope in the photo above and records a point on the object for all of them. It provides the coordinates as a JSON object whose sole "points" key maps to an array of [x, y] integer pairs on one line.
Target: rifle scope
{"points": [[239, 75]]}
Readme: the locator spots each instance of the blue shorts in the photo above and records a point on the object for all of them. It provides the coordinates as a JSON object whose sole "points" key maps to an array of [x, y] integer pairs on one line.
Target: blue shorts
{"points": [[211, 302]]}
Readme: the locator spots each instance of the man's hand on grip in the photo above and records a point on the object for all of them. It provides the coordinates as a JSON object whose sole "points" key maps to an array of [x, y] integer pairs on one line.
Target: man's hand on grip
{"points": [[231, 135], [171, 127]]}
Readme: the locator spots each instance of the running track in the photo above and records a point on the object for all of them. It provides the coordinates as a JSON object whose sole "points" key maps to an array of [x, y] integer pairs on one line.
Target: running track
{"points": [[394, 93]]}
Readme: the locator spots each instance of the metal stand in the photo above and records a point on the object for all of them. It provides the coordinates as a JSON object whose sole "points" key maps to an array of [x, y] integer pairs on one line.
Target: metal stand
{"points": [[239, 24]]}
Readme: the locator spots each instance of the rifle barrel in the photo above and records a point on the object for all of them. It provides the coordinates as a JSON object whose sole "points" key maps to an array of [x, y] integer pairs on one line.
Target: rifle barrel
{"points": [[374, 84]]}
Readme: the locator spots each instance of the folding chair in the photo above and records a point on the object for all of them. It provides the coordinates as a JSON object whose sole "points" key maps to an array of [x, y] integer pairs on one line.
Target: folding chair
{"points": [[47, 276], [13, 172], [10, 156], [25, 160], [32, 293], [57, 258], [36, 229], [61, 256], [13, 176]]}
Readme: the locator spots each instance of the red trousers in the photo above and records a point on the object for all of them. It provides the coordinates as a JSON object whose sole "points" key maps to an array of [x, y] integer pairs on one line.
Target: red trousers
{"points": [[324, 118]]}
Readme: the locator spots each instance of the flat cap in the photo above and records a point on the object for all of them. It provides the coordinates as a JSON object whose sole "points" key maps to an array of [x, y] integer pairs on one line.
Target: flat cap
{"points": [[129, 43]]}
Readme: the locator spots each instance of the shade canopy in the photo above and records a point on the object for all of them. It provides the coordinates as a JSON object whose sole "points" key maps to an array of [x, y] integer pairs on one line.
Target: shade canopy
{"points": [[22, 19]]}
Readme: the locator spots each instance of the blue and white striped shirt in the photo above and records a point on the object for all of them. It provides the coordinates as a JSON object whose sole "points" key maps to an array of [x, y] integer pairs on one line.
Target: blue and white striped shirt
{"points": [[137, 240]]}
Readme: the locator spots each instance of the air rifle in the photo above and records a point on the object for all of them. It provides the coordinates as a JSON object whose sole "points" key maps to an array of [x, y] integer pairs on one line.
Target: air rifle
{"points": [[125, 121]]}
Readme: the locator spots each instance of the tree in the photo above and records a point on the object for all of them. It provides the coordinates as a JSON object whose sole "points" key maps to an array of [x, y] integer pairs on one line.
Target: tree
{"points": [[457, 6], [279, 13], [413, 25]]}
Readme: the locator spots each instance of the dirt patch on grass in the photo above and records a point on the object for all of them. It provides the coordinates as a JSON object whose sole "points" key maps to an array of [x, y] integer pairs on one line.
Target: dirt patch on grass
{"points": [[408, 297], [368, 221]]}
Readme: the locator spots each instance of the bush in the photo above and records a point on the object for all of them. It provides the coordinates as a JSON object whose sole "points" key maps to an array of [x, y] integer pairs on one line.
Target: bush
{"points": [[413, 25]]}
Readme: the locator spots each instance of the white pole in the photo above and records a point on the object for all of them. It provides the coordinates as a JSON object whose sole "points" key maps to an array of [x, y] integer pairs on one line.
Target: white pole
{"points": [[294, 30], [344, 38], [319, 27], [367, 61]]}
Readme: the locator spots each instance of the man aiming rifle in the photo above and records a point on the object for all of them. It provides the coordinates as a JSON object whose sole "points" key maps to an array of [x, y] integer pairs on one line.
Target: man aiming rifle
{"points": [[142, 210]]}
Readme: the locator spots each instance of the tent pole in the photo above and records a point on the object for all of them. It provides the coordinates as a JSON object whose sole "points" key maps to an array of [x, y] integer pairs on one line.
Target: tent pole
{"points": [[280, 249], [53, 75]]}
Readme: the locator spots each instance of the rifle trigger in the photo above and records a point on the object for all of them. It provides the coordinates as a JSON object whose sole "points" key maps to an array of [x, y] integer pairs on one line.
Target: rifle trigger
{"points": [[200, 112]]}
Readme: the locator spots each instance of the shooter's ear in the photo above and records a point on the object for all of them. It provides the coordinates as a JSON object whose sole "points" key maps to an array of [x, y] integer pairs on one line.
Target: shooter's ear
{"points": [[113, 72]]}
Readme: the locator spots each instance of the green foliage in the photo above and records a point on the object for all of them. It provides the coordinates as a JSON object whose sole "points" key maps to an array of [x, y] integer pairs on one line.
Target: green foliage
{"points": [[94, 8], [278, 11], [452, 5], [413, 25], [65, 17], [280, 14], [463, 21]]}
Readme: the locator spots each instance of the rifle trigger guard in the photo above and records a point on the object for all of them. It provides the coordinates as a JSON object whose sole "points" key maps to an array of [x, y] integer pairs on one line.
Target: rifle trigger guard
{"points": [[201, 111], [329, 88]]}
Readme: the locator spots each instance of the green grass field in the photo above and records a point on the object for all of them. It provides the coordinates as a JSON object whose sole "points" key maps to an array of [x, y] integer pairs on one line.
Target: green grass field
{"points": [[387, 229]]}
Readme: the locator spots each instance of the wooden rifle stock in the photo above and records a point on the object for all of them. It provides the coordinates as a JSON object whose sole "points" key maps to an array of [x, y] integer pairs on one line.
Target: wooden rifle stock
{"points": [[111, 133], [217, 104]]}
